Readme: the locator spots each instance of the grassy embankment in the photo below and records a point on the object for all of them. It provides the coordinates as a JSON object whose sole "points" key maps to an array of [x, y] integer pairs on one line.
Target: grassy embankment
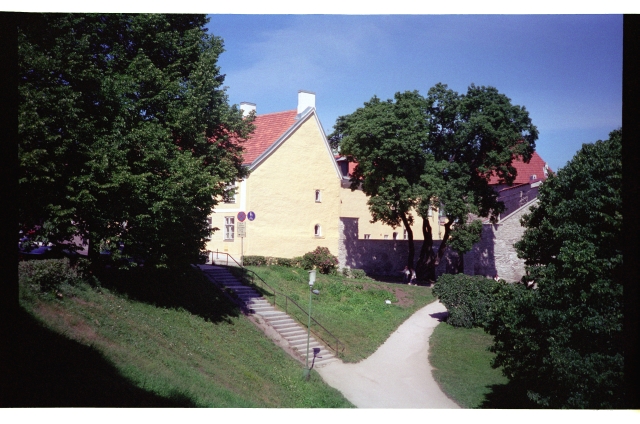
{"points": [[150, 341], [354, 310]]}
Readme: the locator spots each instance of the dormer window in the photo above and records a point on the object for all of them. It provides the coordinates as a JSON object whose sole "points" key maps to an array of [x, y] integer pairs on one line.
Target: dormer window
{"points": [[318, 196]]}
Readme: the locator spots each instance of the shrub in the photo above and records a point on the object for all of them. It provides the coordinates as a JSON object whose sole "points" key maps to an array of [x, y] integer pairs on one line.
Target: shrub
{"points": [[254, 260], [321, 259], [285, 262], [467, 298], [49, 274], [270, 260], [354, 273]]}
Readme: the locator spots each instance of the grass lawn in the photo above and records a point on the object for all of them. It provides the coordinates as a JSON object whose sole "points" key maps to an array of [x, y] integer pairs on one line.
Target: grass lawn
{"points": [[461, 361], [354, 310], [144, 341]]}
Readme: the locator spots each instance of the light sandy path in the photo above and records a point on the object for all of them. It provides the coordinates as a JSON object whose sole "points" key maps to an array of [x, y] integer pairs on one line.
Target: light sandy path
{"points": [[398, 374]]}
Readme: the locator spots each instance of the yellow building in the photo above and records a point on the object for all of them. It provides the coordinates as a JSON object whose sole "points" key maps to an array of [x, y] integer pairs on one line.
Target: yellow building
{"points": [[293, 188], [297, 191], [354, 205]]}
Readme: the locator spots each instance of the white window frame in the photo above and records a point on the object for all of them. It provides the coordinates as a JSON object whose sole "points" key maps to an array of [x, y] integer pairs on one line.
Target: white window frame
{"points": [[229, 199], [386, 236], [395, 235], [405, 236], [209, 226], [317, 229], [229, 228], [318, 196], [367, 236]]}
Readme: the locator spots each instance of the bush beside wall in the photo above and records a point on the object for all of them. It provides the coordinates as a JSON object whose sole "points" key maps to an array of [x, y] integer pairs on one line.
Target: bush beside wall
{"points": [[467, 298]]}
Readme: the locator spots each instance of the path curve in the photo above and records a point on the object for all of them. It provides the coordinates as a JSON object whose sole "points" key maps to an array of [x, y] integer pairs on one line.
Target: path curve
{"points": [[398, 374]]}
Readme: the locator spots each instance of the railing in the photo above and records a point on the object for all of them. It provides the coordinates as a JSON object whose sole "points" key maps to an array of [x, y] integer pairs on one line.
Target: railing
{"points": [[338, 346]]}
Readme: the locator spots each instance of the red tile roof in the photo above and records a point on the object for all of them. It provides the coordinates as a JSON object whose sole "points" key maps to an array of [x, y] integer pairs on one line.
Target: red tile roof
{"points": [[526, 170], [269, 128]]}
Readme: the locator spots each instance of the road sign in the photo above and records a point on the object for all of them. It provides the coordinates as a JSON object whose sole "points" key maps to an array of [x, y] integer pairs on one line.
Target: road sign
{"points": [[242, 216], [251, 216], [242, 229]]}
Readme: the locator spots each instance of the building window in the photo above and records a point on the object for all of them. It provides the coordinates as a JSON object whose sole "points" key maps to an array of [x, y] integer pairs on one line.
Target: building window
{"points": [[318, 196], [367, 236], [229, 224], [318, 230], [430, 212], [209, 226], [229, 195], [386, 236], [395, 236], [405, 236]]}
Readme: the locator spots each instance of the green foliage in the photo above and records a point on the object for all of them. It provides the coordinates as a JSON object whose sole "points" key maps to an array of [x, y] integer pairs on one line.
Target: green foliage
{"points": [[416, 154], [467, 298], [49, 274], [125, 135], [256, 260], [354, 273], [563, 339], [320, 259]]}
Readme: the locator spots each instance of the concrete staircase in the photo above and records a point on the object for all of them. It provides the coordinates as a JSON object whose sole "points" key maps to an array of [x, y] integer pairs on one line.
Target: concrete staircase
{"points": [[254, 303]]}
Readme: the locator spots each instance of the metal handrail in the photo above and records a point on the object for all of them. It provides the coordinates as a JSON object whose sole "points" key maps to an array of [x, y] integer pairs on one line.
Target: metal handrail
{"points": [[339, 346]]}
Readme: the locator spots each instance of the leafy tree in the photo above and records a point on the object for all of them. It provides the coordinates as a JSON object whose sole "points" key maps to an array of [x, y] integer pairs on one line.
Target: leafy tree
{"points": [[125, 132], [417, 155], [387, 138], [562, 340]]}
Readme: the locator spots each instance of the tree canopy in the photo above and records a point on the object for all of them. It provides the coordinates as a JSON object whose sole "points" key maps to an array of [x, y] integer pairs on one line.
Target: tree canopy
{"points": [[561, 337], [125, 132], [418, 154]]}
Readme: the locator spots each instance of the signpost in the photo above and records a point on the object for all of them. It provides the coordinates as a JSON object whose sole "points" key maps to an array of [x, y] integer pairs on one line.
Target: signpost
{"points": [[242, 231]]}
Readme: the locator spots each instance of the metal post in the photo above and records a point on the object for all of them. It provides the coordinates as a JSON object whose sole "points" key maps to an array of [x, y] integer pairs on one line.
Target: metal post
{"points": [[308, 371], [312, 279]]}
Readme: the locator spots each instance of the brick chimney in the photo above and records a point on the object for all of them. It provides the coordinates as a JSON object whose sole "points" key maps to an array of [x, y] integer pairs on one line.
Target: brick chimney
{"points": [[306, 99]]}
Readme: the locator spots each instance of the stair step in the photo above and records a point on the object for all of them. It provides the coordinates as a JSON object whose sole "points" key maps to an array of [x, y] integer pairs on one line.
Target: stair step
{"points": [[285, 329], [292, 331]]}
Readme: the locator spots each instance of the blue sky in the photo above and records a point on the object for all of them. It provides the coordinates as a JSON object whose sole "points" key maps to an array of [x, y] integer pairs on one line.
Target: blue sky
{"points": [[565, 69]]}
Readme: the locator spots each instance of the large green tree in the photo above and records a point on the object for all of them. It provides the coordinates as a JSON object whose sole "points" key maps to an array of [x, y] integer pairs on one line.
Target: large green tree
{"points": [[560, 336], [125, 132], [416, 155]]}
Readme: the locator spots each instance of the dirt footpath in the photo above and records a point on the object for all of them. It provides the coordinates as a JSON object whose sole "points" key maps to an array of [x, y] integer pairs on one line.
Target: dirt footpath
{"points": [[398, 374]]}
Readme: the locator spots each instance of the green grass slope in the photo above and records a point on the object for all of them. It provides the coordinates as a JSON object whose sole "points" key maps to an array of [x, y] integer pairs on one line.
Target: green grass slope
{"points": [[353, 310], [141, 340]]}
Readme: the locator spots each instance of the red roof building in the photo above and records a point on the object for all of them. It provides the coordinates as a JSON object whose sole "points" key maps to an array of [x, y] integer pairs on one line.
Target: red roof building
{"points": [[269, 128]]}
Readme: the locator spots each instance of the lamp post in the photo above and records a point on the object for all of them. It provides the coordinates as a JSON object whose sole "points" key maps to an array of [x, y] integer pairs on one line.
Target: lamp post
{"points": [[312, 279]]}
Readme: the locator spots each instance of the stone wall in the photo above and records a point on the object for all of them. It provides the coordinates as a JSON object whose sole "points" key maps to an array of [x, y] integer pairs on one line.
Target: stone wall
{"points": [[495, 253], [383, 257]]}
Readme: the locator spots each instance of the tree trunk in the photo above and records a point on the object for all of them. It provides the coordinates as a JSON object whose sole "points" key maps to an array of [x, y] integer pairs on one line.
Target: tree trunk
{"points": [[460, 263], [425, 267], [412, 250], [443, 244]]}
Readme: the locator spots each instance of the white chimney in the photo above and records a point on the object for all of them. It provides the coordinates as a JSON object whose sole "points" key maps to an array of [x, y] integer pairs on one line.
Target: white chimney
{"points": [[306, 99], [247, 107]]}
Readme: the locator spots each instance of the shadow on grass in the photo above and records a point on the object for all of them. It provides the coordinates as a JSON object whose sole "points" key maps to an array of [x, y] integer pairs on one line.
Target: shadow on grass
{"points": [[50, 370], [440, 316], [188, 289], [507, 396]]}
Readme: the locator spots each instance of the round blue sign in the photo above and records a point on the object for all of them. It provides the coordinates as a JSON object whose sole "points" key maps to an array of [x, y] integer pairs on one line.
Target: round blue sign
{"points": [[241, 216], [251, 215]]}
